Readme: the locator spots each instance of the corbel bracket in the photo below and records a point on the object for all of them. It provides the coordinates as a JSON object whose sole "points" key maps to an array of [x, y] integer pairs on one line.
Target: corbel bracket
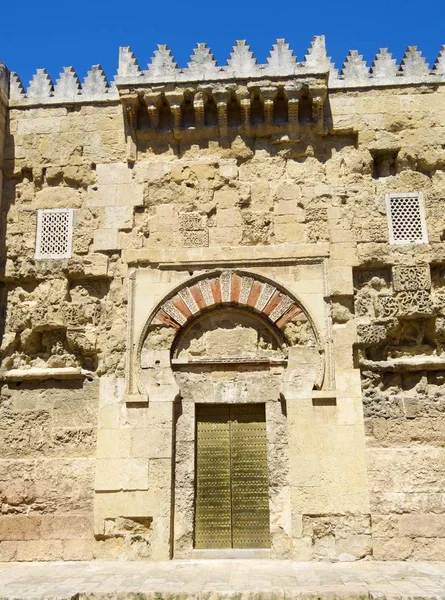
{"points": [[175, 100], [130, 105]]}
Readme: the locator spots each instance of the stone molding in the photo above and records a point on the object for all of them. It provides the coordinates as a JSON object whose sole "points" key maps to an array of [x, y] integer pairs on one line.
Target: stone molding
{"points": [[405, 364], [227, 286], [207, 106], [233, 256], [241, 65], [44, 373]]}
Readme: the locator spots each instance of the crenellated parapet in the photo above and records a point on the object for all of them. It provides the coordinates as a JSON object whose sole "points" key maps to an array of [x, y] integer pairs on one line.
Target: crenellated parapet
{"points": [[241, 64], [241, 67], [66, 89]]}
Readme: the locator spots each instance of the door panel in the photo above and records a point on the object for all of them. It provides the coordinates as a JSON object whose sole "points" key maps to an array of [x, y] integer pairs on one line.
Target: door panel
{"points": [[232, 504], [249, 477], [213, 527]]}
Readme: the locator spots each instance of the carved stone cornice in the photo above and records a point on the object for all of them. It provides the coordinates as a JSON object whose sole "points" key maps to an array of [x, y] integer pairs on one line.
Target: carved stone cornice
{"points": [[254, 102]]}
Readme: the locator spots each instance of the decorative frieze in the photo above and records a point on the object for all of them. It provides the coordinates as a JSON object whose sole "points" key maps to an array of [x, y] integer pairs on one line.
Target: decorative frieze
{"points": [[387, 306], [400, 323], [190, 222], [189, 300], [279, 310], [194, 239], [206, 291], [402, 304]]}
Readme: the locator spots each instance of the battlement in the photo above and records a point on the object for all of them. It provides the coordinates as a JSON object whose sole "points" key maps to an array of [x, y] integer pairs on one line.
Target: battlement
{"points": [[67, 89], [241, 66]]}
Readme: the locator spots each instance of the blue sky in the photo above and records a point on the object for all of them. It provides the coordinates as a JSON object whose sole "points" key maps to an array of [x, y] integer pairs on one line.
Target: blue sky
{"points": [[53, 35]]}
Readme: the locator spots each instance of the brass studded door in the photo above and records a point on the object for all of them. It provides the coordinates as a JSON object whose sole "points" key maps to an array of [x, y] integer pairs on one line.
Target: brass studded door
{"points": [[232, 489]]}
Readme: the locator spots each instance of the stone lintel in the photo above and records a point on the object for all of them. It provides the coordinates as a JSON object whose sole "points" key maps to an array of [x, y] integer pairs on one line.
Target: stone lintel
{"points": [[242, 255]]}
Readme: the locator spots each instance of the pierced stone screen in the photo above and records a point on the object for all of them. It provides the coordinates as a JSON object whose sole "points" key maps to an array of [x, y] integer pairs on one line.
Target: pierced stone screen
{"points": [[406, 219], [54, 233]]}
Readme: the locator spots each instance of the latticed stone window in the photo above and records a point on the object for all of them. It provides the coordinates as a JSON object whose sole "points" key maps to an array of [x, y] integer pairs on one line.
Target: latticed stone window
{"points": [[406, 219], [54, 233]]}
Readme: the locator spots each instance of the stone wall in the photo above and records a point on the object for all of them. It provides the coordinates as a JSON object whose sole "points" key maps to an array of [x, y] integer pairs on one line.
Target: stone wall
{"points": [[89, 409], [403, 387], [47, 445]]}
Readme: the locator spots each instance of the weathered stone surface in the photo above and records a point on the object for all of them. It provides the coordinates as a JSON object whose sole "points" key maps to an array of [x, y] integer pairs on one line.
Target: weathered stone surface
{"points": [[66, 527], [19, 527], [46, 550], [230, 245], [78, 549]]}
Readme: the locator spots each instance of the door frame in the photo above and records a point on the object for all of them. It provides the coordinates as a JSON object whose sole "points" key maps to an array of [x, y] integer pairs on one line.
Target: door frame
{"points": [[185, 475]]}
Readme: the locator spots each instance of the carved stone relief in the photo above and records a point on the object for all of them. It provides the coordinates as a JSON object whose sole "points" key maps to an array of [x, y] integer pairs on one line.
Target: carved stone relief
{"points": [[411, 278], [56, 335], [400, 316]]}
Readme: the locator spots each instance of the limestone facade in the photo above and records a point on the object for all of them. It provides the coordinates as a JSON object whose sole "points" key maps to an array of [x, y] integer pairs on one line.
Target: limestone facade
{"points": [[244, 234]]}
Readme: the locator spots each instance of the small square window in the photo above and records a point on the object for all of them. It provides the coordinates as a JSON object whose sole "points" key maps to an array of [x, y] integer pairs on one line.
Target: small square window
{"points": [[54, 233], [406, 219]]}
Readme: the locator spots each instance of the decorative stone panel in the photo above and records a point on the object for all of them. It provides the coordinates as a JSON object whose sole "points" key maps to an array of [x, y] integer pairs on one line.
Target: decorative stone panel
{"points": [[372, 333], [411, 278], [415, 303], [387, 306], [400, 324]]}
